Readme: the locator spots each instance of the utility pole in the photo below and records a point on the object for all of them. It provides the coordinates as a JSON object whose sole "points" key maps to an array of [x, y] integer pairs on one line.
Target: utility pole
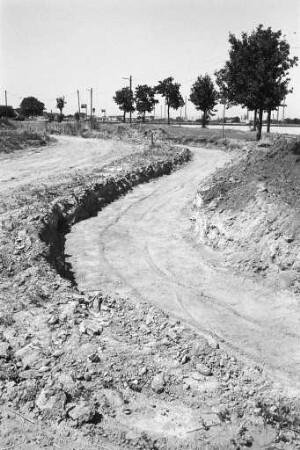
{"points": [[185, 109], [130, 87], [91, 90], [78, 100]]}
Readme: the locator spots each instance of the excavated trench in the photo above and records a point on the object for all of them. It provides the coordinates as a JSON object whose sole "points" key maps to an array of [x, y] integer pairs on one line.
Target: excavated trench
{"points": [[86, 203]]}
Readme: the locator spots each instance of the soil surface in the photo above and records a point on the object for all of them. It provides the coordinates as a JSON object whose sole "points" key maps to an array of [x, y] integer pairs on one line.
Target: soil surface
{"points": [[100, 370], [63, 157], [142, 246]]}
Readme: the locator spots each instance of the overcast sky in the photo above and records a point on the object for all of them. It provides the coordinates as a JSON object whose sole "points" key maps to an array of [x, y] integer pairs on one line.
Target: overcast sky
{"points": [[51, 48]]}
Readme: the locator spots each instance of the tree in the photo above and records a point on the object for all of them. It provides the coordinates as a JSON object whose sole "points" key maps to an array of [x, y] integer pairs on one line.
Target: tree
{"points": [[144, 99], [204, 96], [124, 99], [257, 69], [31, 106], [60, 104], [7, 111], [170, 91]]}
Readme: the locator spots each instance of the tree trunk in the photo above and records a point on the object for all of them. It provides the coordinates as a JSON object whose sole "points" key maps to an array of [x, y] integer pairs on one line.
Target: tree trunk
{"points": [[144, 117], [168, 114], [255, 120], [124, 115], [259, 125], [269, 120], [204, 119]]}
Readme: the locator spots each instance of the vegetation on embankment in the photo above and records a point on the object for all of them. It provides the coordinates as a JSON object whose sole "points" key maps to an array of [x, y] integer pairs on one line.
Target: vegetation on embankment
{"points": [[12, 139], [171, 134], [251, 210]]}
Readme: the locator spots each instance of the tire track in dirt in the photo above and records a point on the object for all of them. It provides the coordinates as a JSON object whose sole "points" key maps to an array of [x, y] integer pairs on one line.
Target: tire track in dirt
{"points": [[142, 246]]}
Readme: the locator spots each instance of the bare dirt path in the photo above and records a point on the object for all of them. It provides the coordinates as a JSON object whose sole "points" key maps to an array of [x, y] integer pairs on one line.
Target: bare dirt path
{"points": [[62, 157], [143, 246]]}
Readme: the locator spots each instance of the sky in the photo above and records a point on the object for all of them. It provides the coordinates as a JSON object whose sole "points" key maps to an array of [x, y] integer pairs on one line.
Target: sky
{"points": [[51, 48]]}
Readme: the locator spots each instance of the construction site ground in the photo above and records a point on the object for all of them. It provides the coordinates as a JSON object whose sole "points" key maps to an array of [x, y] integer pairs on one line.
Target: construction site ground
{"points": [[161, 343]]}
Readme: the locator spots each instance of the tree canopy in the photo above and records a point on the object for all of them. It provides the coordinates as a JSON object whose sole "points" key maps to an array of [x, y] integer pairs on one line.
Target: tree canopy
{"points": [[31, 106], [60, 104], [7, 111], [256, 74], [204, 96], [171, 92], [144, 99], [125, 101]]}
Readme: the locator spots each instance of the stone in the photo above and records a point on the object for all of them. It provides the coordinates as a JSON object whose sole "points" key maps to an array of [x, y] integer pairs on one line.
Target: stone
{"points": [[28, 355], [91, 327], [30, 374], [204, 370], [66, 381], [83, 413], [158, 383], [4, 350], [51, 401]]}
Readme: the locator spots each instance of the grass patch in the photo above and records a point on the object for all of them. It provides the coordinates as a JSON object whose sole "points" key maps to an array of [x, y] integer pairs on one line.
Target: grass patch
{"points": [[11, 140]]}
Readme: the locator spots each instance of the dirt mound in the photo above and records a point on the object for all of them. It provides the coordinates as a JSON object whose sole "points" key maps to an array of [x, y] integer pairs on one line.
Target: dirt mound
{"points": [[12, 140], [252, 211]]}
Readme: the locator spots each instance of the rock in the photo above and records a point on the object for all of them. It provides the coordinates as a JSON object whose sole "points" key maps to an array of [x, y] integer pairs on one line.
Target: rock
{"points": [[28, 355], [30, 374], [66, 381], [114, 398], [91, 327], [143, 371], [184, 359], [83, 413], [94, 358], [96, 305], [158, 383], [4, 350], [51, 401], [204, 370]]}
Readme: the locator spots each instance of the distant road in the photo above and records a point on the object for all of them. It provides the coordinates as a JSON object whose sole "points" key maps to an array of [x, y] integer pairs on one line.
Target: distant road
{"points": [[274, 129]]}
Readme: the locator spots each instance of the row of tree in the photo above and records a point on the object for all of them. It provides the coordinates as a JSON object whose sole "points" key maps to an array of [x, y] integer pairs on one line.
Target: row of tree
{"points": [[31, 106], [143, 99], [255, 77]]}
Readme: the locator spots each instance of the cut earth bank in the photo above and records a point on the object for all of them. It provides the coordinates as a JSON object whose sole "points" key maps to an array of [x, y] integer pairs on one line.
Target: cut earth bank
{"points": [[83, 371]]}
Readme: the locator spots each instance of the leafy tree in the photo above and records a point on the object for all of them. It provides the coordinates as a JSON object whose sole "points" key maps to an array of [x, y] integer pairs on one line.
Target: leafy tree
{"points": [[31, 106], [7, 111], [144, 99], [171, 92], [204, 96], [124, 99], [257, 69], [60, 104]]}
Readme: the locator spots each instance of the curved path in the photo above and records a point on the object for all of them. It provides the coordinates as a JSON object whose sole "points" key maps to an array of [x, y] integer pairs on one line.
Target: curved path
{"points": [[142, 245], [63, 157]]}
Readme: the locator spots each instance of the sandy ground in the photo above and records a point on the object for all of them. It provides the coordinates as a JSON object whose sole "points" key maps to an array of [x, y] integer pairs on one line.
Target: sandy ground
{"points": [[142, 245], [66, 155]]}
